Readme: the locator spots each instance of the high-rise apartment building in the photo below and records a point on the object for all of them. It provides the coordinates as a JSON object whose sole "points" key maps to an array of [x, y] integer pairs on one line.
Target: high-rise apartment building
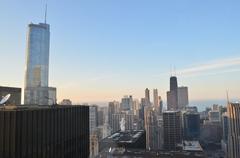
{"points": [[234, 130], [172, 125], [36, 89]]}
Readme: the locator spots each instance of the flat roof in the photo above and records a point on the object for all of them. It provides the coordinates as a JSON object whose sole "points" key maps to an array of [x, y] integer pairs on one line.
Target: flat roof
{"points": [[192, 146], [128, 136]]}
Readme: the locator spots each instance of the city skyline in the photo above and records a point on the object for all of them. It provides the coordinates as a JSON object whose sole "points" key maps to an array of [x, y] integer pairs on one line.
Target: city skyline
{"points": [[109, 67]]}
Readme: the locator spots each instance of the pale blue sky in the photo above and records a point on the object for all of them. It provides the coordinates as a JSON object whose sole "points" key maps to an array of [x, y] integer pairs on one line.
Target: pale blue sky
{"points": [[102, 50]]}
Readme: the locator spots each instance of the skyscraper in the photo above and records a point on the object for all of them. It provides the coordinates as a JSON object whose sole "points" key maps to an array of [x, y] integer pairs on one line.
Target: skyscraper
{"points": [[147, 96], [155, 98], [191, 125], [173, 83], [172, 95], [172, 129], [127, 103], [182, 93], [234, 132], [113, 108], [153, 128], [37, 66]]}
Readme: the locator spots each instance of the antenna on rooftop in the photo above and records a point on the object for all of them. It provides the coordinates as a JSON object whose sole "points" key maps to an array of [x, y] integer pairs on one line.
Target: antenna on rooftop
{"points": [[174, 70], [45, 16]]}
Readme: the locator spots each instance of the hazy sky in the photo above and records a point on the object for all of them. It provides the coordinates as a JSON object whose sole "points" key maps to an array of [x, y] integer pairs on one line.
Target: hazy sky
{"points": [[102, 49]]}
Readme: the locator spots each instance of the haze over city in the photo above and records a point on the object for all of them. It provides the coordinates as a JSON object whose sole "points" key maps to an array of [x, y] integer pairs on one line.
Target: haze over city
{"points": [[101, 51]]}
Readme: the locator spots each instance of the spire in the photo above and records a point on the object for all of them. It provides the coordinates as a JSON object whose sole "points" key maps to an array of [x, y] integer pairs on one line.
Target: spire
{"points": [[45, 17], [227, 96]]}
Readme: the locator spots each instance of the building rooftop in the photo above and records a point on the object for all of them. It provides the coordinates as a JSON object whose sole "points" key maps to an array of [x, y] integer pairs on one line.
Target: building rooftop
{"points": [[33, 107], [192, 146], [132, 153], [125, 137]]}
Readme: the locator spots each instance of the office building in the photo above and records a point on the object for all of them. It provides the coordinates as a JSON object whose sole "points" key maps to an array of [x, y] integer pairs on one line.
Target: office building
{"points": [[136, 107], [233, 131], [44, 131], [147, 97], [191, 125], [182, 93], [225, 124], [15, 98], [36, 91], [113, 108], [160, 105], [127, 103], [154, 129], [93, 116], [172, 95], [172, 125], [214, 116], [116, 118]]}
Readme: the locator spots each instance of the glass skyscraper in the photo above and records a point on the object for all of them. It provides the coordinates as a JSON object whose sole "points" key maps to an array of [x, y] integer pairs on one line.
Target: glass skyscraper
{"points": [[37, 66]]}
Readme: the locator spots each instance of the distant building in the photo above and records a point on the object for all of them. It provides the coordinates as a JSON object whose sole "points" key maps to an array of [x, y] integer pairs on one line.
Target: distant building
{"points": [[211, 132], [172, 96], [127, 103], [214, 116], [127, 140], [225, 124], [191, 126], [155, 98], [100, 117], [15, 98], [147, 97], [182, 93], [172, 125], [44, 131], [136, 107], [36, 90], [172, 102], [116, 118], [154, 129], [113, 108], [93, 115], [160, 105], [234, 132]]}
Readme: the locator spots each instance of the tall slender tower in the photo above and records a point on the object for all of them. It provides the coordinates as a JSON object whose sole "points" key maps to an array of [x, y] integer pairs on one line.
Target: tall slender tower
{"points": [[36, 90], [155, 98], [147, 96]]}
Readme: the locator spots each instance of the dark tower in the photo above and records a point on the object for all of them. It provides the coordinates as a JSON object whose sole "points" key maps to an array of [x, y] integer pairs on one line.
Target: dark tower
{"points": [[172, 95], [173, 83]]}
